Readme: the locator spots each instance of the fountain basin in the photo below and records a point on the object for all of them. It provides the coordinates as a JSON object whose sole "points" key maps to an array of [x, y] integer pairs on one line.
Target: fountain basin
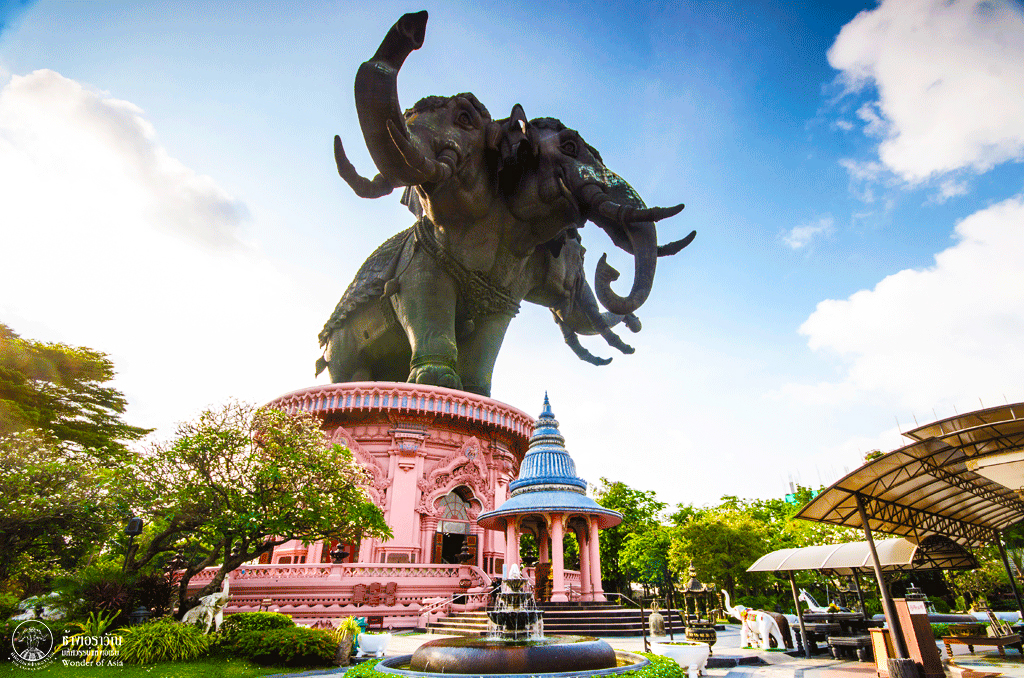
{"points": [[624, 661], [687, 653], [485, 656]]}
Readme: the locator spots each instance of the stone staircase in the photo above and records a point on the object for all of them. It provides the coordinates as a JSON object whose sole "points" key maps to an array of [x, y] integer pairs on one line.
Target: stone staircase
{"points": [[598, 619], [582, 619], [461, 624]]}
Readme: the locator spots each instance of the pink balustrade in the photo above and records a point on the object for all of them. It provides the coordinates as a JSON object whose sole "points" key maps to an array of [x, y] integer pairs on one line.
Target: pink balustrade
{"points": [[313, 594]]}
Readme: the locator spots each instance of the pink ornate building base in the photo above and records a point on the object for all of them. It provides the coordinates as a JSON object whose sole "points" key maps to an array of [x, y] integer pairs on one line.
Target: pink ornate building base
{"points": [[438, 458]]}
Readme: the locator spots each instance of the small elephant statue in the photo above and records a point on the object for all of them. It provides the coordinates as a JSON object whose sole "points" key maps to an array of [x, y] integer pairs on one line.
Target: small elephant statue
{"points": [[499, 206]]}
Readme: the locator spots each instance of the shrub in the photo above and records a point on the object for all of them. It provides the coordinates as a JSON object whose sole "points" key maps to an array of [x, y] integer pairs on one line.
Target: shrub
{"points": [[162, 640], [93, 628], [660, 667], [254, 621], [296, 646]]}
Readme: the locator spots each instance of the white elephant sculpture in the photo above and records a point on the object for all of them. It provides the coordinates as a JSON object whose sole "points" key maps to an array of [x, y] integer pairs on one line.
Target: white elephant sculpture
{"points": [[757, 627], [210, 608]]}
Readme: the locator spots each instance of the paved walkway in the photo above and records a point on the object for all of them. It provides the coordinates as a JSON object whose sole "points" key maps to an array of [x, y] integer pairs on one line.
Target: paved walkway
{"points": [[777, 664]]}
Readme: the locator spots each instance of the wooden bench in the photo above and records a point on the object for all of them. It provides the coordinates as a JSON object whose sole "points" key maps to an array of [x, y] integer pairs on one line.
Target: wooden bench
{"points": [[860, 644], [1013, 640]]}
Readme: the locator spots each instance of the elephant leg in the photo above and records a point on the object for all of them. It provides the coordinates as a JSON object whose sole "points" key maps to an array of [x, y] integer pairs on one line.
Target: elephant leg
{"points": [[425, 306], [479, 350], [344, 362]]}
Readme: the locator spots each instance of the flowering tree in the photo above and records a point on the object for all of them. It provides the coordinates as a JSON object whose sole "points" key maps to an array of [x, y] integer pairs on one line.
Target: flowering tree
{"points": [[54, 503], [239, 481]]}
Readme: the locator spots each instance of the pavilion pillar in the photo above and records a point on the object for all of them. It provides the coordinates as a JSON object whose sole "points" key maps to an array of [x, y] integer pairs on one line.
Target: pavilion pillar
{"points": [[1009, 572], [586, 592], [557, 561], [890, 610], [511, 542], [543, 552], [597, 591]]}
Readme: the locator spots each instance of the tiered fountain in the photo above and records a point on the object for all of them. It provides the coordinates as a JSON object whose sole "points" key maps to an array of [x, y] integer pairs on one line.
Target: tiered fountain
{"points": [[515, 615], [515, 646]]}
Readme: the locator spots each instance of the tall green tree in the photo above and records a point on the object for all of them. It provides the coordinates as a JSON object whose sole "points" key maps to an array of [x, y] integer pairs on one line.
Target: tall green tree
{"points": [[239, 481], [641, 511], [63, 392], [56, 506]]}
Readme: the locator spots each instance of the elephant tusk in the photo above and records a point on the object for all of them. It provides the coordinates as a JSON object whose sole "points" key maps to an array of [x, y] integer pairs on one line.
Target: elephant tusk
{"points": [[427, 171]]}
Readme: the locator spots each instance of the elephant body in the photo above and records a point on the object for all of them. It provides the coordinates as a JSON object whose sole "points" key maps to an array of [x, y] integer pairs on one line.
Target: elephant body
{"points": [[498, 203]]}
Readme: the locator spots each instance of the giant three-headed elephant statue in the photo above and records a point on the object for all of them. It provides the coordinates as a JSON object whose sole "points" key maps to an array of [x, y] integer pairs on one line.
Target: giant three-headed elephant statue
{"points": [[499, 205]]}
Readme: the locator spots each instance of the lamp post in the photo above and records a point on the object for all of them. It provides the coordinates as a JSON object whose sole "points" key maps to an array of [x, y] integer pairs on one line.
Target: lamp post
{"points": [[133, 529]]}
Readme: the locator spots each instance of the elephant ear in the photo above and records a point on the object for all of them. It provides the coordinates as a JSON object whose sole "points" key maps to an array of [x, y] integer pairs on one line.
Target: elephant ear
{"points": [[619, 190], [411, 199]]}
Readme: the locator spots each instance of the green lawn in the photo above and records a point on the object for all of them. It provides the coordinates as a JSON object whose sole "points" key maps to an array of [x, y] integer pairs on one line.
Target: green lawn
{"points": [[200, 668]]}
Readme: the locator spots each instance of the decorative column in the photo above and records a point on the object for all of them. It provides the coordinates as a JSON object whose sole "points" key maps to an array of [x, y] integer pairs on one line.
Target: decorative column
{"points": [[478, 531], [510, 541], [428, 526], [557, 561], [595, 563], [543, 552], [586, 590]]}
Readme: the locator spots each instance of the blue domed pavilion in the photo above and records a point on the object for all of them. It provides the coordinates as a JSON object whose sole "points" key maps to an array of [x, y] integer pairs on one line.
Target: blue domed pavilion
{"points": [[548, 499]]}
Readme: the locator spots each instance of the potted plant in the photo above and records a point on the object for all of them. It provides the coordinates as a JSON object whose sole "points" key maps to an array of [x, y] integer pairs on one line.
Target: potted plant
{"points": [[346, 632], [373, 643], [689, 654]]}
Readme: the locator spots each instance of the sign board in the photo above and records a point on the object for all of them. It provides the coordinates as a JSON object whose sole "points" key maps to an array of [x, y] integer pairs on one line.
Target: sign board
{"points": [[916, 607]]}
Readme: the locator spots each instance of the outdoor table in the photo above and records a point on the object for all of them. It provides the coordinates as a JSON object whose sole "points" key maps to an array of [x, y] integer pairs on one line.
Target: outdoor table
{"points": [[820, 631], [999, 642], [859, 644]]}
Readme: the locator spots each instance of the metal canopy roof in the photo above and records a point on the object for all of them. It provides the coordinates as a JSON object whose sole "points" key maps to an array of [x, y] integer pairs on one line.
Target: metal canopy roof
{"points": [[928, 487], [894, 554]]}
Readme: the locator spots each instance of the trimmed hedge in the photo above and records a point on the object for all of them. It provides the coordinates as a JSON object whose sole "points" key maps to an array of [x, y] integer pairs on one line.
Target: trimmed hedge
{"points": [[295, 646], [254, 621]]}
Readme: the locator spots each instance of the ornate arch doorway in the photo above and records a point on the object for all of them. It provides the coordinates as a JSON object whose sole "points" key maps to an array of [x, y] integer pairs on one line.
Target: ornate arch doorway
{"points": [[453, 527]]}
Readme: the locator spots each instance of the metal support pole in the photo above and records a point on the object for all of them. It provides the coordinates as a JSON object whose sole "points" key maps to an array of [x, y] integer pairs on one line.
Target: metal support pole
{"points": [[671, 601], [643, 625], [1009, 572], [800, 617], [890, 610], [860, 594]]}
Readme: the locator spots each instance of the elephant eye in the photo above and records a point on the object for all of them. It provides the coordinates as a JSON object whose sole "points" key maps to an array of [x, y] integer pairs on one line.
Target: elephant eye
{"points": [[464, 119], [569, 148]]}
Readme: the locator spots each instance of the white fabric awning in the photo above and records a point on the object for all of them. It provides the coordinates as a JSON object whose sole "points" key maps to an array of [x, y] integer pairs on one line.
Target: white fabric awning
{"points": [[893, 554]]}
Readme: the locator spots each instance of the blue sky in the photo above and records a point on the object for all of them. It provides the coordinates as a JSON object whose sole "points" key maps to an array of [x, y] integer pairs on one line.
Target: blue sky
{"points": [[168, 195]]}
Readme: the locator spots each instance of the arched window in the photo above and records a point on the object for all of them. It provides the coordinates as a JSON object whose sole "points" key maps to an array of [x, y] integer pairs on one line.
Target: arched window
{"points": [[454, 509]]}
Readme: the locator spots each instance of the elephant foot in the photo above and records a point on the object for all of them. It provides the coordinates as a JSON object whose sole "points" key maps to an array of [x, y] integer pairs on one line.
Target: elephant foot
{"points": [[435, 371]]}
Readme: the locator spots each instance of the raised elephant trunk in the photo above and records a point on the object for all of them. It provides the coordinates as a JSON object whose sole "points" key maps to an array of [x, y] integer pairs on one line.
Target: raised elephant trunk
{"points": [[617, 209], [398, 159]]}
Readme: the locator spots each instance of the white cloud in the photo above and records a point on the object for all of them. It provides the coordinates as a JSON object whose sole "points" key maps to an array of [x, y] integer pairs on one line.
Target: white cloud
{"points": [[800, 236], [111, 243], [950, 332], [949, 80], [64, 125]]}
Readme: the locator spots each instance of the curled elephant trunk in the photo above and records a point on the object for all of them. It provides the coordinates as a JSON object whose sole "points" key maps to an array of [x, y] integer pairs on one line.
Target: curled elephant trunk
{"points": [[399, 161], [617, 209]]}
